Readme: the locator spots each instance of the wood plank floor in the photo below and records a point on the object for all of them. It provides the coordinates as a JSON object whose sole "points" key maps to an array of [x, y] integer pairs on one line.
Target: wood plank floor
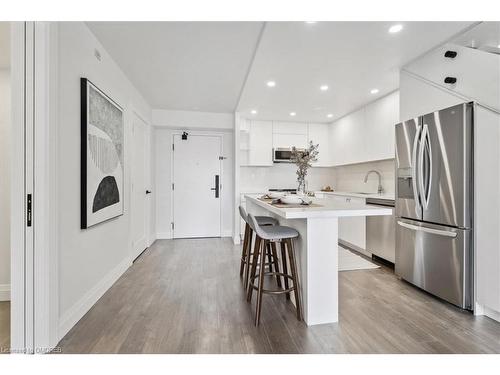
{"points": [[185, 296], [4, 326]]}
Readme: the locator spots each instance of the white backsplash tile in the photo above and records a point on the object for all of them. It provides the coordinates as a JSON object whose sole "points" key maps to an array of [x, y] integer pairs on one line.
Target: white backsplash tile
{"points": [[350, 178]]}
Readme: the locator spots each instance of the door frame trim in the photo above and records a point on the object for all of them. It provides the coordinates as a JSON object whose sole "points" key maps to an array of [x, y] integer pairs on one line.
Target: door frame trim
{"points": [[149, 202], [34, 295], [220, 135], [17, 214]]}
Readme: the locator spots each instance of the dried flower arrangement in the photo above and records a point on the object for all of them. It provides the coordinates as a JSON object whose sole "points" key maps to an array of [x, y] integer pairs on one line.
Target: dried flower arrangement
{"points": [[303, 160]]}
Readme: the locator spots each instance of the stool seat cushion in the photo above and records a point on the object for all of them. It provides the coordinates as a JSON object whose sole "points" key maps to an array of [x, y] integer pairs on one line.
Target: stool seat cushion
{"points": [[277, 232], [266, 220]]}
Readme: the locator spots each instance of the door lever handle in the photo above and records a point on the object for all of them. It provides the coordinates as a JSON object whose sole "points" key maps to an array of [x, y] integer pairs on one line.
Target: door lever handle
{"points": [[148, 191]]}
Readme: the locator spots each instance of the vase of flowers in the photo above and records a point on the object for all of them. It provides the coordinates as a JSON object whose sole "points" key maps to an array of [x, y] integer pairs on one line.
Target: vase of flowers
{"points": [[303, 160]]}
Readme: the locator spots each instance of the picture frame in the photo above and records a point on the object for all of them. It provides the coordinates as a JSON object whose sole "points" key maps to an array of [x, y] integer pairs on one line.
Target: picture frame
{"points": [[102, 156]]}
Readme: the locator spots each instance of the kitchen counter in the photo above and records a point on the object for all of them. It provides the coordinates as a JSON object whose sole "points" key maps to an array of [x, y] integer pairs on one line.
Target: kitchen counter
{"points": [[326, 208], [316, 249], [357, 195]]}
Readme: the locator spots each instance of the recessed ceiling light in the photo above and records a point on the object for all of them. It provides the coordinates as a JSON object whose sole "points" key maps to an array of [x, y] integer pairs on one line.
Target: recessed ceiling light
{"points": [[311, 22], [292, 113], [253, 112], [271, 83], [323, 87], [395, 28], [330, 115], [374, 91]]}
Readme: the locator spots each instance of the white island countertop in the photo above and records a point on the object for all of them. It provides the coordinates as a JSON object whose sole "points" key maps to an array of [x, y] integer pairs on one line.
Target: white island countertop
{"points": [[325, 208]]}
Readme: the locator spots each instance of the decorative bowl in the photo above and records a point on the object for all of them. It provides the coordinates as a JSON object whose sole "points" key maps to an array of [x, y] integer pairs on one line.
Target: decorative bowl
{"points": [[291, 199]]}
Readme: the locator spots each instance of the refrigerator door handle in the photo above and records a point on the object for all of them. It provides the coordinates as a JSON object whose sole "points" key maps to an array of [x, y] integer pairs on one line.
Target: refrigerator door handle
{"points": [[438, 232], [424, 145], [428, 148], [416, 194]]}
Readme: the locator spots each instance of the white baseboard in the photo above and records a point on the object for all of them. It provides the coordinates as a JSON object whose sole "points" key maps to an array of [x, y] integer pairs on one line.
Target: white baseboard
{"points": [[495, 315], [4, 292], [227, 233], [164, 236], [168, 235], [82, 306]]}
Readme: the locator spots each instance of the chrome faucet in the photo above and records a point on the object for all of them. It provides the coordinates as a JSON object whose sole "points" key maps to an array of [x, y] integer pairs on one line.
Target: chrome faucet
{"points": [[380, 188]]}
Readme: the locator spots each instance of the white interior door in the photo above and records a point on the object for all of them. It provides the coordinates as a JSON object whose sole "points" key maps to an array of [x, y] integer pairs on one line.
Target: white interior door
{"points": [[139, 186], [196, 186]]}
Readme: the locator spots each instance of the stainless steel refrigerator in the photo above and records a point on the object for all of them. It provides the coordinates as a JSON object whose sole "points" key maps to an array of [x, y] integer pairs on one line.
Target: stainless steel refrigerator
{"points": [[434, 203]]}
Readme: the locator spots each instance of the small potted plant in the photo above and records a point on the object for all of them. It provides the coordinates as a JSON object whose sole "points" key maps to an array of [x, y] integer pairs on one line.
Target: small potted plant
{"points": [[304, 160]]}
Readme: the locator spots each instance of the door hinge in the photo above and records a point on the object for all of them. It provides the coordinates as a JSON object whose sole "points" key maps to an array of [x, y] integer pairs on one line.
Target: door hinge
{"points": [[29, 210], [173, 186], [172, 225], [173, 147]]}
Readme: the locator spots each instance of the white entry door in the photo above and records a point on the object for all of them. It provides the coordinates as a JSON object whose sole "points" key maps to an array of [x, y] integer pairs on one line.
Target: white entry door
{"points": [[139, 186], [196, 186]]}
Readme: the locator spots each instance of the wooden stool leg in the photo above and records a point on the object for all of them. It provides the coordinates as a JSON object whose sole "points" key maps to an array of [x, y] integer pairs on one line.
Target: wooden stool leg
{"points": [[276, 263], [244, 249], [268, 255], [255, 257], [295, 275], [285, 268], [260, 287], [248, 257]]}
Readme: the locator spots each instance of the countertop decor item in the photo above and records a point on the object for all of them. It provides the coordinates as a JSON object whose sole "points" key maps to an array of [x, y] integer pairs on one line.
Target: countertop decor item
{"points": [[303, 160]]}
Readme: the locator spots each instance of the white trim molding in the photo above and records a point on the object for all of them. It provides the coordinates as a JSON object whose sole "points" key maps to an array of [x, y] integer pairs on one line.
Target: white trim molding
{"points": [[164, 236], [83, 305], [492, 314], [4, 292]]}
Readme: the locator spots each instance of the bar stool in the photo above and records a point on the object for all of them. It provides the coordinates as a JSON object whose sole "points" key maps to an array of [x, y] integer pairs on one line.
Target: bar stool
{"points": [[246, 251], [265, 235]]}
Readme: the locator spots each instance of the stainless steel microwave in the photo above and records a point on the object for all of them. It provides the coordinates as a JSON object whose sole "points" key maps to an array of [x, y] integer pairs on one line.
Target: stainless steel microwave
{"points": [[284, 155]]}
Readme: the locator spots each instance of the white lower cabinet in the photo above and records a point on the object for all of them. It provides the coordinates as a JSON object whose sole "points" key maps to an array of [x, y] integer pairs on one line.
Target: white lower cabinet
{"points": [[352, 230]]}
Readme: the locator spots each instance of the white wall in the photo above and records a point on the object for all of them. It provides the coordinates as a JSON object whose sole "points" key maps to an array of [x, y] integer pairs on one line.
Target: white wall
{"points": [[5, 138], [192, 119], [351, 177], [90, 260], [163, 160]]}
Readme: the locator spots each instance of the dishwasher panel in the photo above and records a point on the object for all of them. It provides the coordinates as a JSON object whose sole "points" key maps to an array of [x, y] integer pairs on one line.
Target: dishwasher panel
{"points": [[380, 232]]}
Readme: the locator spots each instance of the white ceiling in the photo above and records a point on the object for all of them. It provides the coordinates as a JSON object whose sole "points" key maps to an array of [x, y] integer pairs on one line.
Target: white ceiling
{"points": [[4, 45], [197, 66], [202, 66], [350, 57]]}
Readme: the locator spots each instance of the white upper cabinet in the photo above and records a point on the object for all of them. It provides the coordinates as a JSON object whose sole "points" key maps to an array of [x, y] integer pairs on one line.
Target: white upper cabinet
{"points": [[347, 139], [319, 134], [366, 134], [260, 143], [289, 128], [477, 72], [380, 118], [289, 134]]}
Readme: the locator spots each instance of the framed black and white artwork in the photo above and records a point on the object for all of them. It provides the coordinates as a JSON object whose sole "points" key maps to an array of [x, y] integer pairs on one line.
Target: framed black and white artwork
{"points": [[102, 157]]}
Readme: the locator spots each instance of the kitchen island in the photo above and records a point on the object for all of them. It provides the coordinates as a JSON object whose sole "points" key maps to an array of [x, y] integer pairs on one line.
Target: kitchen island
{"points": [[316, 248]]}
